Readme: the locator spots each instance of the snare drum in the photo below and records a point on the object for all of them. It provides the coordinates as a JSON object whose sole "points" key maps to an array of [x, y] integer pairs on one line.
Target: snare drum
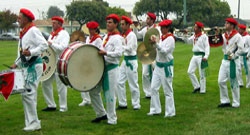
{"points": [[80, 66]]}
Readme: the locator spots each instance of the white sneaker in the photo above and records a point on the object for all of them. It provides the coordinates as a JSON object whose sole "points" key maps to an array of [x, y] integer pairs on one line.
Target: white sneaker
{"points": [[63, 110], [33, 127], [84, 103], [151, 114]]}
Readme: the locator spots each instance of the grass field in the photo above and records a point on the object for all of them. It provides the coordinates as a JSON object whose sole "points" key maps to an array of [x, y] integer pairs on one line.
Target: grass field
{"points": [[196, 114]]}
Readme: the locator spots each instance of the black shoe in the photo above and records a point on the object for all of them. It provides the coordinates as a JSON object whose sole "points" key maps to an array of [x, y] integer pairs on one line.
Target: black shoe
{"points": [[196, 90], [121, 107], [49, 109], [147, 97], [224, 105], [97, 120], [241, 86]]}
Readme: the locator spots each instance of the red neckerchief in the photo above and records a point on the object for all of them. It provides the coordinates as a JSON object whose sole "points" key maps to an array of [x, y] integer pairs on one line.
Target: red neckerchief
{"points": [[126, 34], [231, 35], [56, 33], [25, 29], [163, 37], [116, 32], [245, 33], [92, 39], [153, 26], [196, 36]]}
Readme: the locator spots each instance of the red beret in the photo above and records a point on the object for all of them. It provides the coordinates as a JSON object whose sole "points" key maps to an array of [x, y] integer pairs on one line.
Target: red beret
{"points": [[242, 26], [165, 22], [92, 25], [113, 16], [199, 24], [231, 20], [57, 18], [152, 15], [28, 13], [127, 19]]}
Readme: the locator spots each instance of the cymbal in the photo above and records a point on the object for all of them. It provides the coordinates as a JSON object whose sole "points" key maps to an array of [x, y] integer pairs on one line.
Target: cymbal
{"points": [[146, 56], [149, 33], [77, 36]]}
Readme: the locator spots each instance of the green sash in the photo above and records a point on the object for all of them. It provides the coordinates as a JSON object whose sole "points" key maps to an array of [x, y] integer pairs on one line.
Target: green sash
{"points": [[232, 71], [106, 76], [166, 67], [31, 70], [204, 64], [150, 72], [245, 62], [127, 58]]}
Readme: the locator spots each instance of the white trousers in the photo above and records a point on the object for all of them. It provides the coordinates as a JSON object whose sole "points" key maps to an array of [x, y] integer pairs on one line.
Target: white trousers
{"points": [[97, 104], [146, 80], [194, 64], [132, 76], [240, 67], [159, 79], [224, 76], [85, 96], [30, 98], [48, 92]]}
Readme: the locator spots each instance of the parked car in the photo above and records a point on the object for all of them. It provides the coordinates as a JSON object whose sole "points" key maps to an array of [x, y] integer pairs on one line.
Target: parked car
{"points": [[9, 37]]}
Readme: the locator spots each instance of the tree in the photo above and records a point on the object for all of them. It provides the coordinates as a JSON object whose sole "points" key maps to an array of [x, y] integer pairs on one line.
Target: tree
{"points": [[85, 11], [54, 11], [7, 18], [114, 10]]}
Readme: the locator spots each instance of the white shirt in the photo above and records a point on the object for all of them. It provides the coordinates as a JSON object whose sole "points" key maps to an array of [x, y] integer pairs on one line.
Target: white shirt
{"points": [[97, 42], [236, 39], [141, 34], [113, 48], [200, 45], [246, 40], [165, 50], [130, 44], [34, 40], [60, 42]]}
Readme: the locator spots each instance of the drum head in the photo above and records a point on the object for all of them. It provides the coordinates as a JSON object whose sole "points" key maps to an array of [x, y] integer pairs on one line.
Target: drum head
{"points": [[49, 63], [85, 68]]}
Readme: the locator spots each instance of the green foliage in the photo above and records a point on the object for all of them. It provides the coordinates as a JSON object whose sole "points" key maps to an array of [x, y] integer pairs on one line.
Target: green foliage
{"points": [[114, 10], [85, 11], [7, 18], [54, 11]]}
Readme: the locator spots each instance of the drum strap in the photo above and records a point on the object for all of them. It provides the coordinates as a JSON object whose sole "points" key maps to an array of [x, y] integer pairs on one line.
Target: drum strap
{"points": [[166, 67], [127, 58], [105, 83]]}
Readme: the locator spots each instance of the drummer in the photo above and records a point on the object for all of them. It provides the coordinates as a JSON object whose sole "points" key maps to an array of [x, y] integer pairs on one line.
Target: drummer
{"points": [[31, 45], [95, 39], [112, 51], [58, 41]]}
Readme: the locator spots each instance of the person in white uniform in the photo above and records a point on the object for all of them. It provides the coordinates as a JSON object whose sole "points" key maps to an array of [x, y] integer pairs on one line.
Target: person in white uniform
{"points": [[30, 46], [94, 39], [59, 41], [146, 68], [128, 68], [112, 51], [244, 62], [232, 48], [164, 71], [201, 51]]}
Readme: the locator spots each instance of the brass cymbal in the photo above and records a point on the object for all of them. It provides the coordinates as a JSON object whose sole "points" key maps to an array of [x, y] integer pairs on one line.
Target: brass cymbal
{"points": [[77, 36], [146, 56], [149, 33]]}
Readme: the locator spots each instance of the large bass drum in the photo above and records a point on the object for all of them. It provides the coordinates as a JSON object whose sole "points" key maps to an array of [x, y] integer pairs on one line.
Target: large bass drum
{"points": [[49, 63], [80, 66]]}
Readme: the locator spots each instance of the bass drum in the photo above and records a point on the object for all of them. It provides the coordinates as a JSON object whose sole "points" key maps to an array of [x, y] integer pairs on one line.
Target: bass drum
{"points": [[80, 66], [49, 63]]}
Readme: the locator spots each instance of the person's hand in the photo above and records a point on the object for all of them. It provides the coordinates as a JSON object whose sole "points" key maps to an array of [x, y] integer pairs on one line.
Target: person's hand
{"points": [[26, 52], [14, 66], [153, 39], [229, 57], [102, 52], [204, 59], [49, 43], [247, 57]]}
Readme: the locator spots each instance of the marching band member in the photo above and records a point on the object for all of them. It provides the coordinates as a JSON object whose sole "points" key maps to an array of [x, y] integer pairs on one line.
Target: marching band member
{"points": [[201, 51], [31, 45], [128, 68], [112, 51], [163, 72], [96, 40], [146, 69], [228, 69], [244, 57], [58, 40]]}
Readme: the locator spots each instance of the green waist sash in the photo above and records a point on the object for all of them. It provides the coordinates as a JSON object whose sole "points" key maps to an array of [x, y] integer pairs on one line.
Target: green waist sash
{"points": [[106, 76], [127, 58], [245, 62], [232, 67], [166, 67], [204, 64]]}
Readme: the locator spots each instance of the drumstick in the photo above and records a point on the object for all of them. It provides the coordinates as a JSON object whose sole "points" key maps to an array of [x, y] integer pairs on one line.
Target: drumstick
{"points": [[20, 55], [7, 66]]}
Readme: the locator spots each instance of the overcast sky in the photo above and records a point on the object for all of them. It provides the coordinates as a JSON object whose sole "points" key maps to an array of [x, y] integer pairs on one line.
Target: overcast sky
{"points": [[37, 6]]}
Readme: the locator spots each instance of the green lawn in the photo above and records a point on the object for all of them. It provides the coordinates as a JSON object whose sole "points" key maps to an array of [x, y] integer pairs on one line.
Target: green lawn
{"points": [[196, 114]]}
